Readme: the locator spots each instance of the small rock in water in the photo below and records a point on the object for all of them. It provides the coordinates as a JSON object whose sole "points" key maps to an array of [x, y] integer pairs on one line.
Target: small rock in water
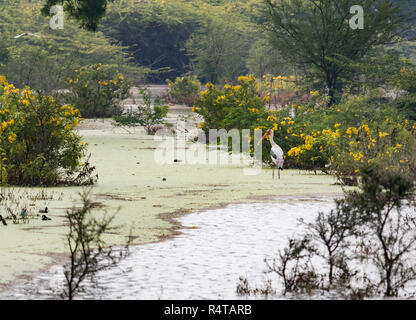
{"points": [[164, 179]]}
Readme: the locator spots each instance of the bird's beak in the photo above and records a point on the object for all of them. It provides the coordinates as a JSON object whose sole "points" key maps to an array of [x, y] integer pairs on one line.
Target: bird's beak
{"points": [[265, 135]]}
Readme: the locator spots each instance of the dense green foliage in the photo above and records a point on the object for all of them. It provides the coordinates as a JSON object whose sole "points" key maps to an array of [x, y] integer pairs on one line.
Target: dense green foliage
{"points": [[46, 62], [207, 38], [37, 141], [220, 40], [185, 90], [218, 48], [154, 33], [231, 107], [97, 90], [315, 35], [215, 40]]}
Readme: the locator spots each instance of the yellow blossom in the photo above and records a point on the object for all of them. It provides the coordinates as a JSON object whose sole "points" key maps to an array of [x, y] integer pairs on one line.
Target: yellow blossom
{"points": [[294, 152]]}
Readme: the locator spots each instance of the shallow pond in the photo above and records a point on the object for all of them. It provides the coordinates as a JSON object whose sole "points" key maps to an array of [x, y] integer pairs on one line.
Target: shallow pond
{"points": [[204, 262]]}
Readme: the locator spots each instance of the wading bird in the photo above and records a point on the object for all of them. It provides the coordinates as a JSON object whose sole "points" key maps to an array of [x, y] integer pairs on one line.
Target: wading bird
{"points": [[276, 152], [44, 210]]}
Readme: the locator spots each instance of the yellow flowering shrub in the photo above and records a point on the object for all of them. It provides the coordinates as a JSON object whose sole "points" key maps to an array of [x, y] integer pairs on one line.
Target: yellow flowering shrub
{"points": [[97, 91], [231, 107], [185, 90], [346, 151], [363, 145], [339, 140], [37, 139]]}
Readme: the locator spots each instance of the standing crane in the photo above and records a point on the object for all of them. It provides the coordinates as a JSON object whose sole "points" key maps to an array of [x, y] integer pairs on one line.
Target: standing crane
{"points": [[276, 152]]}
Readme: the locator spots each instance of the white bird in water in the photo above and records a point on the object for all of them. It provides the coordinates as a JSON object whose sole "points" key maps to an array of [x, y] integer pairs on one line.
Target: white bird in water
{"points": [[26, 34], [276, 152]]}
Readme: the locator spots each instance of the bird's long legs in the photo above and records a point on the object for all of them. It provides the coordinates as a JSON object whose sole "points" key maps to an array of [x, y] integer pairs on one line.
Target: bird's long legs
{"points": [[278, 172]]}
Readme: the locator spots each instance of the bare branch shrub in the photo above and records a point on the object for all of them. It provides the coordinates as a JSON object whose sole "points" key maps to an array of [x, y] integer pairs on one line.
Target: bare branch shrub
{"points": [[331, 231], [389, 222], [295, 268], [88, 251], [374, 226]]}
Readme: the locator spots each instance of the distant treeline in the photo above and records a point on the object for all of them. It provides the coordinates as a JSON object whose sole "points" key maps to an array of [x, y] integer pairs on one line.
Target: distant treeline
{"points": [[217, 40], [154, 40]]}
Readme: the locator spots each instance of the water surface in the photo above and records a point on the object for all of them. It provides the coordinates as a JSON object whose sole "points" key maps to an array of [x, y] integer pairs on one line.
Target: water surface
{"points": [[204, 262]]}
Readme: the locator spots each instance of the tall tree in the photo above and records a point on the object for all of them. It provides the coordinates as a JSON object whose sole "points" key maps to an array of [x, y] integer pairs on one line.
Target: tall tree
{"points": [[155, 34], [264, 59], [218, 50], [315, 34]]}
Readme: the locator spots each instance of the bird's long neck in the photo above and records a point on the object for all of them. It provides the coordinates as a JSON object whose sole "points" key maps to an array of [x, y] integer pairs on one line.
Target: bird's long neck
{"points": [[271, 139]]}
